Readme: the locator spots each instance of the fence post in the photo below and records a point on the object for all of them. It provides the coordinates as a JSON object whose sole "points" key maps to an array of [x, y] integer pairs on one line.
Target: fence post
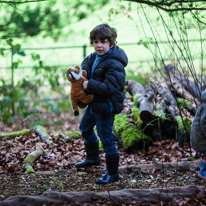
{"points": [[84, 51], [12, 82]]}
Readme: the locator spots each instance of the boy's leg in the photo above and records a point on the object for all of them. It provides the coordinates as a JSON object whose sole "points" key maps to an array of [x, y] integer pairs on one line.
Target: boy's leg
{"points": [[104, 124], [90, 140]]}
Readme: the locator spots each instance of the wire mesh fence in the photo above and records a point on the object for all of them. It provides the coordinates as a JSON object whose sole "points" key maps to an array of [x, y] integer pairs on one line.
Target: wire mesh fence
{"points": [[46, 67]]}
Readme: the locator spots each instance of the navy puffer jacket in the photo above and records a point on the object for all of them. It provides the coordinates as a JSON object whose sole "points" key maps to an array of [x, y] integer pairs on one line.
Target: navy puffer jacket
{"points": [[107, 83]]}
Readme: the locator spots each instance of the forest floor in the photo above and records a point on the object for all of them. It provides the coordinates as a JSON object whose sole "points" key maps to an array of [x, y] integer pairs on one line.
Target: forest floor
{"points": [[55, 170]]}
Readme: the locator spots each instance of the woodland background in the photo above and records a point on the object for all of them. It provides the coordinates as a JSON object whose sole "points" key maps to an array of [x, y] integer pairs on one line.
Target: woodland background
{"points": [[40, 40]]}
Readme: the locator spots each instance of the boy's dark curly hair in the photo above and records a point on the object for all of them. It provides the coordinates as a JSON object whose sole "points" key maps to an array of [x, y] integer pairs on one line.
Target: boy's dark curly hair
{"points": [[102, 32]]}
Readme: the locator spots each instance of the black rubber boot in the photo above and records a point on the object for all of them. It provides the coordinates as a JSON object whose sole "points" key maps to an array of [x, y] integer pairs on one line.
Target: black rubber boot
{"points": [[92, 155], [112, 174]]}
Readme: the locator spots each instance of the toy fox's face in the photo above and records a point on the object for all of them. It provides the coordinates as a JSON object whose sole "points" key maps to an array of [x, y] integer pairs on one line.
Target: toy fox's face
{"points": [[74, 73]]}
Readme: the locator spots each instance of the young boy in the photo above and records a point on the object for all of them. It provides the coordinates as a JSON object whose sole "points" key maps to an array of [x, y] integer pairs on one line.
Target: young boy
{"points": [[106, 80]]}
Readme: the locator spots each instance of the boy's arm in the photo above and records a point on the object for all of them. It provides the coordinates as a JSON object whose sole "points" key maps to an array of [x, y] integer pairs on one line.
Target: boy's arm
{"points": [[114, 80]]}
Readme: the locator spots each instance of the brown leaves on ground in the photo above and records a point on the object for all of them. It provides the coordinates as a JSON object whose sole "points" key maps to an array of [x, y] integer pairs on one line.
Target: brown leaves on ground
{"points": [[63, 153], [58, 172]]}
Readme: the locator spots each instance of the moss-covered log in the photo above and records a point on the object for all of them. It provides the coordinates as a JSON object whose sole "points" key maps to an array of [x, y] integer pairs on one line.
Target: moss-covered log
{"points": [[141, 99], [32, 157], [14, 134], [42, 133], [127, 129]]}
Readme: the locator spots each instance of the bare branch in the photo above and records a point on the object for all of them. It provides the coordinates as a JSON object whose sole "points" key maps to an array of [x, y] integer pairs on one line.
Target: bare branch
{"points": [[173, 5], [198, 19], [21, 2]]}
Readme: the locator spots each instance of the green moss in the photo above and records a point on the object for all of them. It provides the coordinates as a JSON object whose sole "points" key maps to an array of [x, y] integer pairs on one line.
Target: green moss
{"points": [[29, 169], [182, 101], [74, 135], [131, 136], [159, 113], [135, 98], [29, 159], [39, 127], [187, 124], [15, 134], [120, 123], [136, 116]]}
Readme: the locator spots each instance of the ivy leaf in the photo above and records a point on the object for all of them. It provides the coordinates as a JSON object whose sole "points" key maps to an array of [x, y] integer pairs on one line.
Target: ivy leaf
{"points": [[9, 41], [2, 51], [16, 49], [21, 53]]}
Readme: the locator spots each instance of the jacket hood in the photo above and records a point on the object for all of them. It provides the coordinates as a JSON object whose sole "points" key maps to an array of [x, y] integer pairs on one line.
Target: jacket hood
{"points": [[120, 55]]}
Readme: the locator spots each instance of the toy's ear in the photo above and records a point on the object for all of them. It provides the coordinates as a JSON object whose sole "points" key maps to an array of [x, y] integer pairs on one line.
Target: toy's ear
{"points": [[78, 68], [69, 70], [68, 74]]}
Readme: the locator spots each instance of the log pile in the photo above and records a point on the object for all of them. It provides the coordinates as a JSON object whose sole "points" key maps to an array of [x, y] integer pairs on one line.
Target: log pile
{"points": [[166, 106]]}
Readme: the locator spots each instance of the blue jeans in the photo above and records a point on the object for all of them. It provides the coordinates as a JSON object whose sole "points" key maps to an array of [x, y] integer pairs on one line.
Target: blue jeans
{"points": [[104, 125]]}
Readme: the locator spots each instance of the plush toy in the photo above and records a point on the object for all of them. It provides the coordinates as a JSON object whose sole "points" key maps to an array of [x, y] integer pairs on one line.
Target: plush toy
{"points": [[77, 95]]}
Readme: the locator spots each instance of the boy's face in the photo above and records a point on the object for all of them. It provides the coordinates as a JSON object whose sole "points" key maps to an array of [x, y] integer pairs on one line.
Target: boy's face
{"points": [[101, 46]]}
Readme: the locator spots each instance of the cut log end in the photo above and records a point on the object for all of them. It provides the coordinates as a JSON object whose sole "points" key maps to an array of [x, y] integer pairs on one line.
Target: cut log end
{"points": [[146, 116]]}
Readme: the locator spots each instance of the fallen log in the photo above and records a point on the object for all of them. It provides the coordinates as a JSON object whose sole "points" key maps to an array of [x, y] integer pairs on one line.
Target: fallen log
{"points": [[167, 96], [32, 157], [159, 128], [14, 134], [42, 133], [182, 85], [165, 166], [138, 195], [143, 101], [181, 125], [150, 91], [128, 132]]}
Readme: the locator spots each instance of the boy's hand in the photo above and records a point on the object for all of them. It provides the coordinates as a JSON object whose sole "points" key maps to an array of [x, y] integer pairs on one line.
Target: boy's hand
{"points": [[85, 85]]}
